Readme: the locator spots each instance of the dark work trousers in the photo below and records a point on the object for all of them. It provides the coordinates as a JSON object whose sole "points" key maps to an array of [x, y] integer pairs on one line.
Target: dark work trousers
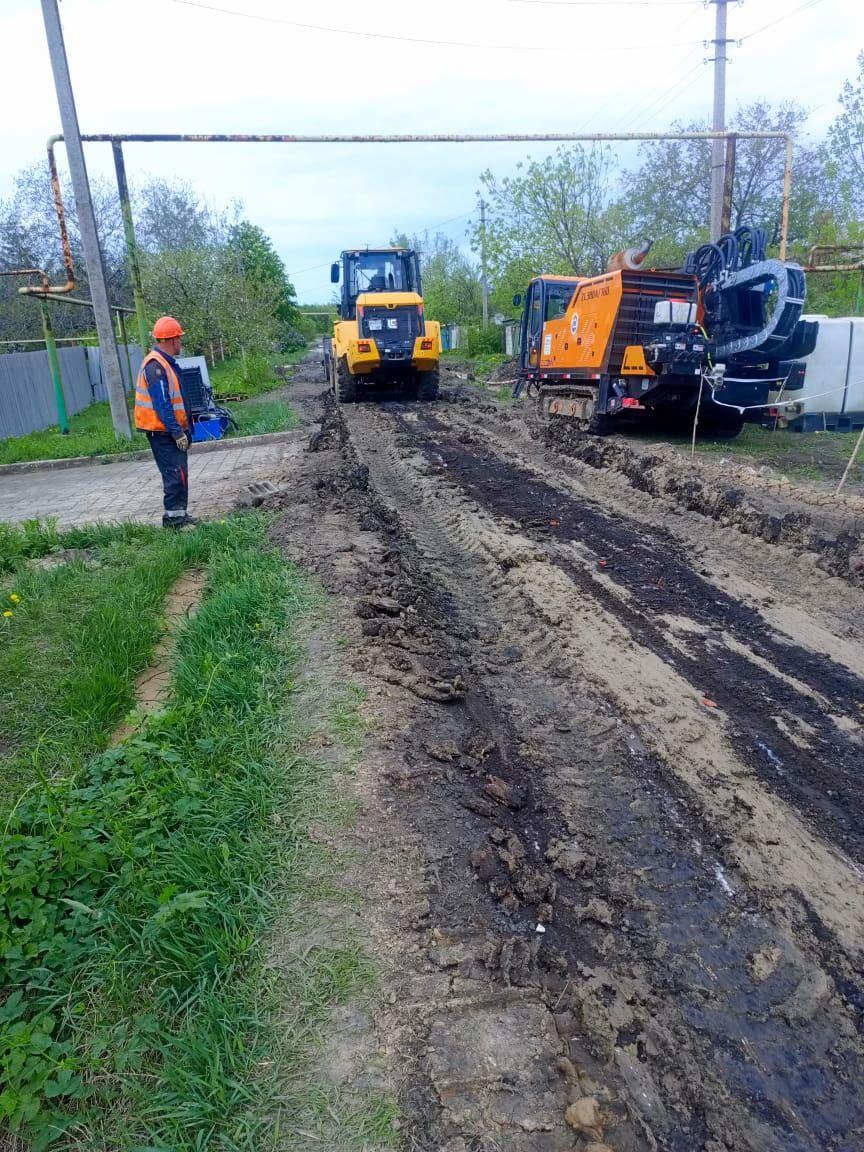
{"points": [[173, 467]]}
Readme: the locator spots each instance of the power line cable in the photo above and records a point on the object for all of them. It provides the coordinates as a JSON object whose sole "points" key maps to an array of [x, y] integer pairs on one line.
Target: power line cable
{"points": [[673, 95], [676, 90], [609, 3], [418, 39], [627, 115], [779, 20], [666, 96]]}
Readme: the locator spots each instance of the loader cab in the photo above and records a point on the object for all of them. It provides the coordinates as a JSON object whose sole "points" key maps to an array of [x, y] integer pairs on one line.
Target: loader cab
{"points": [[374, 270], [547, 298]]}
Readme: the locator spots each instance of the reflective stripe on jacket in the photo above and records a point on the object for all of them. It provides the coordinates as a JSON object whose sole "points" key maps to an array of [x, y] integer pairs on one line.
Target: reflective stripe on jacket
{"points": [[146, 417]]}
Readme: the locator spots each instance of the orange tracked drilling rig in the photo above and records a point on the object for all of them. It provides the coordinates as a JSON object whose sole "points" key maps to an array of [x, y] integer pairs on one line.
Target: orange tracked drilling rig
{"points": [[638, 339]]}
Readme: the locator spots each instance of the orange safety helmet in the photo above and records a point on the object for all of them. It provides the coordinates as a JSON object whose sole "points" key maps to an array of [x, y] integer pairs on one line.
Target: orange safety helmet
{"points": [[166, 328]]}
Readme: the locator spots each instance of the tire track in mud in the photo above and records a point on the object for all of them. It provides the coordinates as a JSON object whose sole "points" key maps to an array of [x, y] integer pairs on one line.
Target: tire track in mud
{"points": [[824, 778], [711, 1013]]}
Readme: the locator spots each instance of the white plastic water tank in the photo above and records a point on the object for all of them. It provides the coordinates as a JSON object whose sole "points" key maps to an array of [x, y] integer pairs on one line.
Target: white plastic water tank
{"points": [[855, 379], [827, 366]]}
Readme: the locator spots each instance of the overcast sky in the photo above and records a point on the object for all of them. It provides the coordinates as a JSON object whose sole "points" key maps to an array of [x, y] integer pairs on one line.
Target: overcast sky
{"points": [[493, 66]]}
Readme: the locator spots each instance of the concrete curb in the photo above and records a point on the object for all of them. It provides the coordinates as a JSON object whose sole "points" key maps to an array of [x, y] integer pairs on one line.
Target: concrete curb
{"points": [[124, 457]]}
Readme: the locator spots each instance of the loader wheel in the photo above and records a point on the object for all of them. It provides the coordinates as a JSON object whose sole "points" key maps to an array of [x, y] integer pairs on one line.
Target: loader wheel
{"points": [[346, 384], [427, 385]]}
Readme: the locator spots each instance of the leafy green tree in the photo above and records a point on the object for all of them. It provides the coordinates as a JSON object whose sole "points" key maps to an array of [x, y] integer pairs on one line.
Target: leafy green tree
{"points": [[30, 238], [263, 268], [552, 215], [206, 289], [667, 198], [451, 281], [846, 140], [509, 281], [169, 216]]}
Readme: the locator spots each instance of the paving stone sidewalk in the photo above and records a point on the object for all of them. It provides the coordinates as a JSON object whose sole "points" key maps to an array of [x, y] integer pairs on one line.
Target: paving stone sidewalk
{"points": [[132, 490]]}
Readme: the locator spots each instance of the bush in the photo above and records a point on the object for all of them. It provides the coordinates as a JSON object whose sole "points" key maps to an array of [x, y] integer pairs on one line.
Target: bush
{"points": [[293, 339], [239, 377], [481, 341]]}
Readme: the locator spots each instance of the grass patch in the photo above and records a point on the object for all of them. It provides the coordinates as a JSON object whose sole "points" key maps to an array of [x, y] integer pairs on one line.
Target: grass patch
{"points": [[255, 377], [138, 888], [78, 635], [481, 366], [819, 456], [255, 417], [92, 433]]}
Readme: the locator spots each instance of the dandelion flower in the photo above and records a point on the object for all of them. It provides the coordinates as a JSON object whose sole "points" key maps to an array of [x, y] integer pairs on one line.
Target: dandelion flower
{"points": [[15, 598], [7, 613]]}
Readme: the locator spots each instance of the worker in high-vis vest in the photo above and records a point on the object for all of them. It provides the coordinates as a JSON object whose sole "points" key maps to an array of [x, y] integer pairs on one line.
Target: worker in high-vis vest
{"points": [[162, 414]]}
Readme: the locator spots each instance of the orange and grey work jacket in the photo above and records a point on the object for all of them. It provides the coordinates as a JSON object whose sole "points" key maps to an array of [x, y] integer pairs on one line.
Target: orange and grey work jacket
{"points": [[159, 404]]}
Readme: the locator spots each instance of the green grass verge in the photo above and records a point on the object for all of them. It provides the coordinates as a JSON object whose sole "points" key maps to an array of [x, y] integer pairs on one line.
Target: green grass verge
{"points": [[76, 637], [138, 888], [819, 456], [482, 365], [255, 417], [253, 377], [91, 432]]}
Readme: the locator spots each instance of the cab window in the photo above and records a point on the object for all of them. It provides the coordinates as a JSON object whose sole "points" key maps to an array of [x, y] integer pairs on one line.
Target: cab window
{"points": [[557, 298]]}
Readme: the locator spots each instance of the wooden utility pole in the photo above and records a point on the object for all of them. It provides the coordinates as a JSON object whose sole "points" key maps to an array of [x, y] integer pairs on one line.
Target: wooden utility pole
{"points": [[86, 220], [719, 122]]}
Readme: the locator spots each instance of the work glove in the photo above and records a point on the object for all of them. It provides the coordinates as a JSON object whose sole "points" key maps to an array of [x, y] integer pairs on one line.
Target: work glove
{"points": [[182, 442]]}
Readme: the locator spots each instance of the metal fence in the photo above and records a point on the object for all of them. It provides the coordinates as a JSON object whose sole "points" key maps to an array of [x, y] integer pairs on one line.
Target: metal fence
{"points": [[27, 402]]}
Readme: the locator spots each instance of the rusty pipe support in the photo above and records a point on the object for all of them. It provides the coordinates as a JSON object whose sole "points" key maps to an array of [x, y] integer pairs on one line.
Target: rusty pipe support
{"points": [[131, 244], [812, 271], [787, 197], [814, 266], [728, 183], [43, 276], [432, 138], [78, 302], [68, 263], [425, 138]]}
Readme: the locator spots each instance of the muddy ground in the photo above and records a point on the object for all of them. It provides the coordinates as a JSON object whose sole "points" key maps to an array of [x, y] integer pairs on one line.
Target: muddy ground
{"points": [[611, 848]]}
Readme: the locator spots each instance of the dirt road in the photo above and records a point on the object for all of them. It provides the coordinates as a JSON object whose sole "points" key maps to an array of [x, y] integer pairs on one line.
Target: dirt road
{"points": [[611, 850]]}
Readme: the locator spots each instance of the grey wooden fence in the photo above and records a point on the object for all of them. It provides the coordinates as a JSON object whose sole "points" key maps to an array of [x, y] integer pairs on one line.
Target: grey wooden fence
{"points": [[27, 401]]}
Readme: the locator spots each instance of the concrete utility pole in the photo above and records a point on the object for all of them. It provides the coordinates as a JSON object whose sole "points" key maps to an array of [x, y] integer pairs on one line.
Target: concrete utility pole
{"points": [[719, 122], [86, 220], [484, 280]]}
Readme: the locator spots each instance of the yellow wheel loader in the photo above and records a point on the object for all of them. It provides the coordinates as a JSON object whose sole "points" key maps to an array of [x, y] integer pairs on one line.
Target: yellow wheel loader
{"points": [[382, 336]]}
